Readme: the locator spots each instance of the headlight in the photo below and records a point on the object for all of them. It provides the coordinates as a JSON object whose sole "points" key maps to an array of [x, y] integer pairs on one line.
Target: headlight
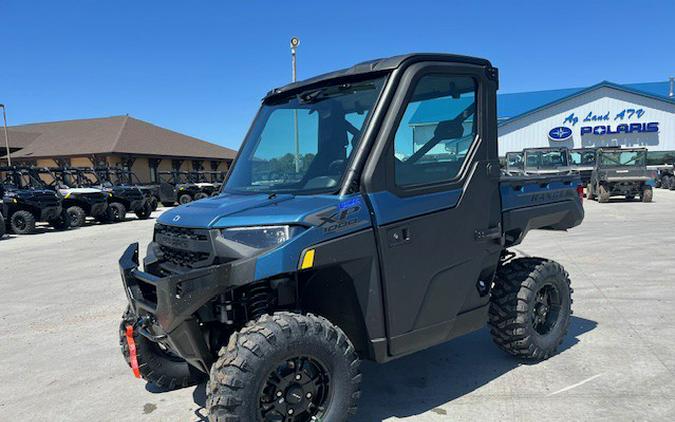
{"points": [[261, 237]]}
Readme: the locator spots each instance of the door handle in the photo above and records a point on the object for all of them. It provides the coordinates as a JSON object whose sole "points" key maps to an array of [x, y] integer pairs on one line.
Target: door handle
{"points": [[491, 233], [398, 236]]}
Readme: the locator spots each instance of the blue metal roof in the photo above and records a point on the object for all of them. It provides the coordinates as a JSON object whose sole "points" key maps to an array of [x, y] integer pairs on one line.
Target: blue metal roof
{"points": [[514, 105]]}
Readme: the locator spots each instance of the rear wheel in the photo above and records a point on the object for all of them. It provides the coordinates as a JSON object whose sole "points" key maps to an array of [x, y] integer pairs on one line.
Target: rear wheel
{"points": [[666, 182], [77, 216], [201, 195], [63, 222], [603, 194], [22, 222], [530, 307], [157, 365], [154, 203], [118, 212], [285, 367], [145, 212], [184, 199], [3, 227], [647, 194]]}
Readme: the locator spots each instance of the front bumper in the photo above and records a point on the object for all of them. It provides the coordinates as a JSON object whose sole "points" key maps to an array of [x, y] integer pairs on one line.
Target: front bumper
{"points": [[166, 306]]}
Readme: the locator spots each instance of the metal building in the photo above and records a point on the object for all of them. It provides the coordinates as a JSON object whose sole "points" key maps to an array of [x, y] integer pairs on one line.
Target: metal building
{"points": [[601, 115]]}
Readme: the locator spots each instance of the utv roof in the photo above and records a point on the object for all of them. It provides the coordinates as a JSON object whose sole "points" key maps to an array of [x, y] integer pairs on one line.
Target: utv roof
{"points": [[376, 66]]}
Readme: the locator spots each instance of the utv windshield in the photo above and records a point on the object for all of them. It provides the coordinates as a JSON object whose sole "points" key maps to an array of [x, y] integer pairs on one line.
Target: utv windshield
{"points": [[301, 144], [583, 157], [622, 158], [547, 160]]}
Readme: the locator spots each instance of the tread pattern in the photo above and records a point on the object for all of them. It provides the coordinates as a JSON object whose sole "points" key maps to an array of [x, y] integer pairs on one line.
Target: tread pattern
{"points": [[247, 350], [154, 368], [509, 318]]}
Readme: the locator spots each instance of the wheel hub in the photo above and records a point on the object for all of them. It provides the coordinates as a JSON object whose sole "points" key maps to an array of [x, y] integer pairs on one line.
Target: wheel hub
{"points": [[296, 390], [546, 309]]}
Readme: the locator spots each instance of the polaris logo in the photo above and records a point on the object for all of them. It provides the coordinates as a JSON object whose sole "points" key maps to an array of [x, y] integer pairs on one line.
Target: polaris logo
{"points": [[176, 219], [560, 134]]}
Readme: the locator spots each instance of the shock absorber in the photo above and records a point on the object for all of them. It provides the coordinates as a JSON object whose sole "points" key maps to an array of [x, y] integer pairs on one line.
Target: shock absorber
{"points": [[257, 299]]}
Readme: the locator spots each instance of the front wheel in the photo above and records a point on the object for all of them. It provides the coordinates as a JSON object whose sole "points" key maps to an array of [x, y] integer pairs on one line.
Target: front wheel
{"points": [[118, 212], [145, 212], [22, 222], [77, 216], [184, 199], [530, 307], [285, 367], [156, 364], [201, 195]]}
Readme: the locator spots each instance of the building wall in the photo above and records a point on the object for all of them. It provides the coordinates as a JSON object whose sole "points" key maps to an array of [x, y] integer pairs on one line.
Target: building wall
{"points": [[606, 104]]}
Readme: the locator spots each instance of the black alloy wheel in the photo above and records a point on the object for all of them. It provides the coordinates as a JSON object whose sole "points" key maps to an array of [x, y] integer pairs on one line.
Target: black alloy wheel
{"points": [[546, 309], [297, 390]]}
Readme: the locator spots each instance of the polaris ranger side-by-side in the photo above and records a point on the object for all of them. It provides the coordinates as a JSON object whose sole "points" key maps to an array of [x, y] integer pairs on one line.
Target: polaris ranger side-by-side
{"points": [[546, 160], [583, 161], [78, 202], [365, 240], [177, 186], [27, 201], [117, 176], [621, 172], [121, 199]]}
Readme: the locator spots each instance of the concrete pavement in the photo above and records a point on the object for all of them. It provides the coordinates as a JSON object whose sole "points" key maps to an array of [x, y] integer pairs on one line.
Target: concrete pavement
{"points": [[62, 299]]}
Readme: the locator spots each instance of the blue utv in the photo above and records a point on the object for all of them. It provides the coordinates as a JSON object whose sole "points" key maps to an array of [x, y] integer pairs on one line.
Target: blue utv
{"points": [[365, 217]]}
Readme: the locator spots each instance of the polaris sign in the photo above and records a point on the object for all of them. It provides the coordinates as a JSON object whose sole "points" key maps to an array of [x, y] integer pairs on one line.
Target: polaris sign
{"points": [[560, 134], [623, 128]]}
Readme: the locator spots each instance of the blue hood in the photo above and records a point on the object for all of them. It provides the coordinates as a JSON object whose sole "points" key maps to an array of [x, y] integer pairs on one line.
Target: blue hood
{"points": [[228, 210]]}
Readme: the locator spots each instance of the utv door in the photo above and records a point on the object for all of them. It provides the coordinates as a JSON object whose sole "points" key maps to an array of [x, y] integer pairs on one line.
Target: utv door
{"points": [[435, 198]]}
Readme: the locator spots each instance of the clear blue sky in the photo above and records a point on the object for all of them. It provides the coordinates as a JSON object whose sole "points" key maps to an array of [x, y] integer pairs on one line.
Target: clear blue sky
{"points": [[201, 67]]}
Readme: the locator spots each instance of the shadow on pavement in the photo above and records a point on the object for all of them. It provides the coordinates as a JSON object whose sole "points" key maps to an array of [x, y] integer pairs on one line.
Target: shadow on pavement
{"points": [[423, 381]]}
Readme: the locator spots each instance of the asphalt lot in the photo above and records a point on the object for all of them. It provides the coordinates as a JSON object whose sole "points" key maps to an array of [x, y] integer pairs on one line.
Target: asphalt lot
{"points": [[62, 298]]}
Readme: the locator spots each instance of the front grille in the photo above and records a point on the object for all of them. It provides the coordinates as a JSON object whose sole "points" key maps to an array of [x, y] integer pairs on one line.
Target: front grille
{"points": [[181, 232], [183, 247], [182, 258]]}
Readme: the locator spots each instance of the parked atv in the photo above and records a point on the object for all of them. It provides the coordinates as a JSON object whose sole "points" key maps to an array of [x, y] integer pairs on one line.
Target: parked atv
{"points": [[621, 172], [583, 161], [360, 246], [176, 186], [121, 198], [79, 203], [26, 202], [544, 161], [122, 177]]}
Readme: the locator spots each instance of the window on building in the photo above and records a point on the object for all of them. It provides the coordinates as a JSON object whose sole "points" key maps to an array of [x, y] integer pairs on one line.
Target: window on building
{"points": [[436, 131]]}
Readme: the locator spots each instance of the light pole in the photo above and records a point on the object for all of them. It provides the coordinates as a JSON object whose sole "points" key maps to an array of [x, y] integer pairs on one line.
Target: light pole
{"points": [[295, 42], [4, 116]]}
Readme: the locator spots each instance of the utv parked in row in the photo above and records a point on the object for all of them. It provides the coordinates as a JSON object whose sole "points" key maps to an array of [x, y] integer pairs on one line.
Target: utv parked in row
{"points": [[583, 162], [26, 201], [79, 202], [544, 161], [121, 199], [122, 177], [178, 186], [665, 178], [361, 246], [621, 172]]}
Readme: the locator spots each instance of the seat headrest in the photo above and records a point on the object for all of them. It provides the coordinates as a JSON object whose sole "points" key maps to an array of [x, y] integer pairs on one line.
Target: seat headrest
{"points": [[449, 129]]}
